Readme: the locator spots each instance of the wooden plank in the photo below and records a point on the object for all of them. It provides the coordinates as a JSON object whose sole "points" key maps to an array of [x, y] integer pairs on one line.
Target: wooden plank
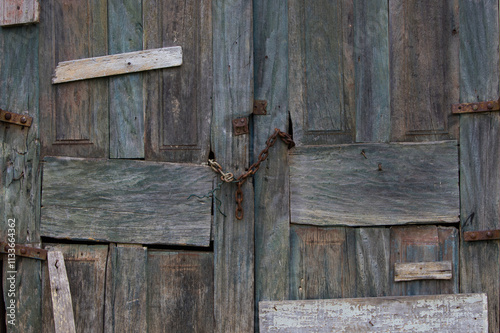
{"points": [[119, 196], [438, 270], [16, 12], [126, 289], [439, 313], [233, 98], [180, 291], [64, 320], [126, 114], [179, 100], [393, 184], [371, 36], [321, 84], [424, 66]]}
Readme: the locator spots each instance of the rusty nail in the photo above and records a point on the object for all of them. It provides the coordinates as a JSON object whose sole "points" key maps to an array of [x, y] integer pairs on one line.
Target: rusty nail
{"points": [[242, 120], [8, 116], [379, 167], [23, 251], [475, 107], [490, 106], [472, 236], [23, 120], [56, 263], [489, 234], [363, 153]]}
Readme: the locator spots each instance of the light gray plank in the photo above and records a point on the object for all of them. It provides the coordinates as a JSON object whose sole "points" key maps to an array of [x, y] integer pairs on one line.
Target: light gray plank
{"points": [[126, 201], [465, 313], [15, 12], [394, 184]]}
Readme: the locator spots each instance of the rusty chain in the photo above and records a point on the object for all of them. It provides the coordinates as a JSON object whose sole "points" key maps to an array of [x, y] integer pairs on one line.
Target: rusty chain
{"points": [[229, 177]]}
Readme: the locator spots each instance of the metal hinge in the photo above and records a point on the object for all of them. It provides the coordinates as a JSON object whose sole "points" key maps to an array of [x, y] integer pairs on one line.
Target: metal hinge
{"points": [[15, 118], [259, 107], [240, 126], [472, 236], [475, 107], [23, 251]]}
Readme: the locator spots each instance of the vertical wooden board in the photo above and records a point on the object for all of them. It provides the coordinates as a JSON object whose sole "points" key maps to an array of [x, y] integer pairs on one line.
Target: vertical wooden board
{"points": [[321, 80], [16, 12], [424, 65], [75, 117], [86, 270], [126, 114], [126, 289], [178, 101], [180, 291], [371, 54]]}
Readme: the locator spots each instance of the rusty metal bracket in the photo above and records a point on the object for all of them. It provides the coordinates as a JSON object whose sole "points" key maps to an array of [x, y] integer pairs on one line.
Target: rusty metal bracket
{"points": [[240, 126], [475, 107], [259, 107], [472, 236], [15, 118], [24, 251]]}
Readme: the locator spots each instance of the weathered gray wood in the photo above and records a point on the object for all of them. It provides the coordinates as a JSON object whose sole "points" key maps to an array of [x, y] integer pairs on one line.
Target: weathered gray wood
{"points": [[126, 289], [126, 109], [106, 199], [233, 97], [179, 100], [394, 184], [75, 118], [439, 313], [437, 270], [15, 12], [62, 307], [424, 49], [321, 79], [180, 291]]}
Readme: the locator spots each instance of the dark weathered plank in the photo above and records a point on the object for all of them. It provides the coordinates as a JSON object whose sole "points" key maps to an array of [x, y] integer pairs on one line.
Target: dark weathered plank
{"points": [[180, 291], [75, 117], [389, 184], [321, 84], [463, 313], [424, 60], [371, 54], [15, 12], [233, 98], [126, 289], [179, 100], [126, 201]]}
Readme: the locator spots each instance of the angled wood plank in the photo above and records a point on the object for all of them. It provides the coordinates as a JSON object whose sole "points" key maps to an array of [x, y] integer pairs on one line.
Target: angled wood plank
{"points": [[461, 313], [393, 184], [16, 12], [438, 270], [130, 62], [119, 196]]}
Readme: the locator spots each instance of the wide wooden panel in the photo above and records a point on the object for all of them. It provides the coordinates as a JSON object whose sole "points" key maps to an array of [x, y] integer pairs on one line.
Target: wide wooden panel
{"points": [[424, 60], [180, 291], [374, 184], [464, 313], [15, 12], [179, 100], [74, 121], [322, 71], [126, 201]]}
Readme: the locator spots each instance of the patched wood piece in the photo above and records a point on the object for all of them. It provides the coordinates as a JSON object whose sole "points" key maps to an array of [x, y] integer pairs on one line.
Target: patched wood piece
{"points": [[439, 270], [17, 12], [126, 201], [374, 184], [461, 313]]}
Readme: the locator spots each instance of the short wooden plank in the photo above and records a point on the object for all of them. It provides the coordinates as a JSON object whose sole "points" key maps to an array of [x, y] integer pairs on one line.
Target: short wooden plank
{"points": [[64, 320], [439, 270], [126, 201], [461, 313], [389, 184], [130, 62], [16, 12]]}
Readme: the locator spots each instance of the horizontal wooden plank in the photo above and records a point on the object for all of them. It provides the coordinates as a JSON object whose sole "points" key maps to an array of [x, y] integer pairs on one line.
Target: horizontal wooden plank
{"points": [[126, 201], [17, 12], [116, 64], [436, 313], [375, 184], [410, 271]]}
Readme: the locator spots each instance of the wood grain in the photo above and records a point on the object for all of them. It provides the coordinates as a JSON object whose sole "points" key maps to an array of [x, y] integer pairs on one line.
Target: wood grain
{"points": [[394, 184], [16, 12], [126, 201], [438, 270], [439, 313]]}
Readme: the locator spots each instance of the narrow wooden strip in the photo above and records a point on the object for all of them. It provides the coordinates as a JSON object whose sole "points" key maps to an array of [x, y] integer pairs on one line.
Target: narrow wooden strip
{"points": [[123, 63], [461, 313], [61, 295], [411, 271]]}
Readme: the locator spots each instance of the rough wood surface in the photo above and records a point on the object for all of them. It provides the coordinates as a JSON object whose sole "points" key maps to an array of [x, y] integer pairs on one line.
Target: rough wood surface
{"points": [[180, 291], [179, 100], [394, 184], [16, 12], [424, 60], [438, 270], [62, 306], [464, 313], [126, 201]]}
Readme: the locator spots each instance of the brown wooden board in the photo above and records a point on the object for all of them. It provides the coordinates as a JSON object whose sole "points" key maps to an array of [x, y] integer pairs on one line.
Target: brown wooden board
{"points": [[180, 291], [16, 12], [389, 184]]}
